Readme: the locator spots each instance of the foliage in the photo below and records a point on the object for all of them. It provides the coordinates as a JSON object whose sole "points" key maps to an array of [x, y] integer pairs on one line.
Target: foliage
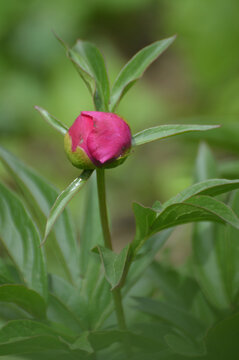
{"points": [[71, 313]]}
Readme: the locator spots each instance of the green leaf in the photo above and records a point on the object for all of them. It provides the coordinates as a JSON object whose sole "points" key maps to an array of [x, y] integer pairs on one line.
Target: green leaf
{"points": [[197, 208], [51, 120], [211, 187], [222, 339], [173, 315], [21, 240], [63, 317], [95, 297], [185, 346], [135, 68], [115, 265], [91, 67], [165, 131], [26, 337], [25, 298], [209, 251], [63, 199], [39, 196]]}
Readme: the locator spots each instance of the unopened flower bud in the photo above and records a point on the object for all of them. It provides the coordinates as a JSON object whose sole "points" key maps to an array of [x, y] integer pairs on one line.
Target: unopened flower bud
{"points": [[97, 139]]}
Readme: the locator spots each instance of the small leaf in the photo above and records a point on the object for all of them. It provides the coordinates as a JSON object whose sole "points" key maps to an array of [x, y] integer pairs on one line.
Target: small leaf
{"points": [[91, 67], [51, 120], [82, 343], [63, 199], [135, 68], [25, 298], [165, 131], [21, 239], [114, 264]]}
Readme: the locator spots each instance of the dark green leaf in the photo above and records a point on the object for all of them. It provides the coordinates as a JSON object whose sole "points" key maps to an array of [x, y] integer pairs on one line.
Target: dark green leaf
{"points": [[165, 131], [26, 336], [172, 315], [39, 196], [135, 68], [114, 264], [51, 120], [185, 346], [197, 208], [63, 199], [222, 339], [91, 67], [20, 238], [25, 298]]}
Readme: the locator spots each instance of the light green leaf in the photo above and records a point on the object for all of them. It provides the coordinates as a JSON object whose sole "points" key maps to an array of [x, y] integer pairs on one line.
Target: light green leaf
{"points": [[115, 265], [51, 120], [165, 131], [25, 298], [63, 199], [21, 240], [39, 196], [135, 68], [91, 67]]}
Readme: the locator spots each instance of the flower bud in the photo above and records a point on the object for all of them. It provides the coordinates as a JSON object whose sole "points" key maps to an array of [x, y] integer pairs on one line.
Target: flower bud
{"points": [[97, 139]]}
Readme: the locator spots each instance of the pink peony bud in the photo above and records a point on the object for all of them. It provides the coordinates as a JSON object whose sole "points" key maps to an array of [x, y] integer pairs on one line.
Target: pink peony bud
{"points": [[97, 139]]}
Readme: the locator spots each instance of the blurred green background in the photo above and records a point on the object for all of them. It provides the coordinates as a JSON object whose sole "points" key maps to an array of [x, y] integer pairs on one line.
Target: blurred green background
{"points": [[195, 81]]}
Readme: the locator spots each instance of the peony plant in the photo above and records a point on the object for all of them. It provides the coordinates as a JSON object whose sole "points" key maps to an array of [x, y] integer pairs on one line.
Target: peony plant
{"points": [[85, 311]]}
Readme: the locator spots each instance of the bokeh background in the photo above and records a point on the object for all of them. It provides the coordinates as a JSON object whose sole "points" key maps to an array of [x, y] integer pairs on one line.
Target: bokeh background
{"points": [[195, 81]]}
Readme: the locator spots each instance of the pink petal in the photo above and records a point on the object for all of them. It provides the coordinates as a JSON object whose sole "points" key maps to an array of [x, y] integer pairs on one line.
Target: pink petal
{"points": [[109, 138]]}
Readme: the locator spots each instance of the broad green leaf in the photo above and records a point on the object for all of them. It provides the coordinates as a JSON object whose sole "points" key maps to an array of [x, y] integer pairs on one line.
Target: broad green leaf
{"points": [[208, 251], [211, 187], [63, 317], [173, 315], [165, 131], [91, 67], [185, 346], [51, 120], [115, 265], [26, 337], [40, 196], [197, 208], [63, 199], [231, 250], [135, 68], [25, 298], [222, 339], [21, 240]]}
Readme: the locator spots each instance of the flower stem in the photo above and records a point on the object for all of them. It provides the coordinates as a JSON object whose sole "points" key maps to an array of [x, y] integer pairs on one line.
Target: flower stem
{"points": [[108, 244]]}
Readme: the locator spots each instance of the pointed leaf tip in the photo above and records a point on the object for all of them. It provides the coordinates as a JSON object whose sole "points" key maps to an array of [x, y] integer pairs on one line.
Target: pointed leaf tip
{"points": [[51, 120]]}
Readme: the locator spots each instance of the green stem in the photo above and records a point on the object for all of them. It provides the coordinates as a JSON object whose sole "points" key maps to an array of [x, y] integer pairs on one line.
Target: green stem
{"points": [[108, 244]]}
